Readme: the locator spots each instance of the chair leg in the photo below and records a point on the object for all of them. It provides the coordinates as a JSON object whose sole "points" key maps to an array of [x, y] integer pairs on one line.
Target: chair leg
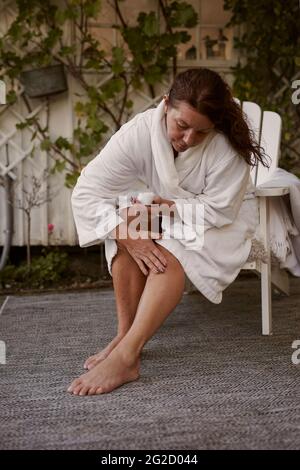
{"points": [[266, 300], [266, 292]]}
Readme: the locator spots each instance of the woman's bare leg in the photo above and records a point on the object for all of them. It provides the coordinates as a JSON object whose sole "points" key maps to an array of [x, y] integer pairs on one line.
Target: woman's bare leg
{"points": [[129, 283], [161, 294]]}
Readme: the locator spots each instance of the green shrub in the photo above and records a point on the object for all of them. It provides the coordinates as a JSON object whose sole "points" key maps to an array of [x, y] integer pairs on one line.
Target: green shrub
{"points": [[45, 270], [270, 42]]}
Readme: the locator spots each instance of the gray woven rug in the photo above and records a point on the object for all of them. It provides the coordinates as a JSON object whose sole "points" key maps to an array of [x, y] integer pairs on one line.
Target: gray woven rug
{"points": [[209, 380]]}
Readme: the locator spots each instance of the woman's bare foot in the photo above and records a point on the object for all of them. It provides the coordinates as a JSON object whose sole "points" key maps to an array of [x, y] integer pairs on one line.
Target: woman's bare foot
{"points": [[93, 360], [109, 374]]}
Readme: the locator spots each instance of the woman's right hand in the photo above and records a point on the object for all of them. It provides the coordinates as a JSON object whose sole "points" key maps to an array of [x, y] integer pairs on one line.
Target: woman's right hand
{"points": [[144, 252]]}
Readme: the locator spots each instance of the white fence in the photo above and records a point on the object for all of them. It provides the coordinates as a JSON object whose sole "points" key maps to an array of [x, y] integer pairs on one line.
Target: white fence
{"points": [[17, 151]]}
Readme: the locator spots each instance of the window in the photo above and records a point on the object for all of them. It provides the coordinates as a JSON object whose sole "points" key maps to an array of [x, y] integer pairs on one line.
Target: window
{"points": [[211, 43]]}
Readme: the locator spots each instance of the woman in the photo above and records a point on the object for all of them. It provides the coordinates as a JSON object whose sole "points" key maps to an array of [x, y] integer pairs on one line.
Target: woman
{"points": [[194, 150]]}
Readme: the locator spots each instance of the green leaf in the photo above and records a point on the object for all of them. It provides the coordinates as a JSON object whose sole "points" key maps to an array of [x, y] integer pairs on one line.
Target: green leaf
{"points": [[11, 97], [118, 60], [66, 50], [129, 104], [93, 93], [15, 31], [59, 166], [150, 26], [92, 8], [111, 88], [182, 14], [96, 124], [153, 74], [79, 108], [21, 125], [46, 144], [70, 13], [71, 179], [51, 40], [93, 64], [63, 143]]}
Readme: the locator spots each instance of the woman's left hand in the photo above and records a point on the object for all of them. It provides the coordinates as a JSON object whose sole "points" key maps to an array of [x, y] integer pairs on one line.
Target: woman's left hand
{"points": [[159, 200], [151, 211], [156, 200]]}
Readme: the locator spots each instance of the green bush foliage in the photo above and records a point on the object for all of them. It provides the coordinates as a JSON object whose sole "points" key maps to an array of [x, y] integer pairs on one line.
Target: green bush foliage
{"points": [[44, 271], [270, 44]]}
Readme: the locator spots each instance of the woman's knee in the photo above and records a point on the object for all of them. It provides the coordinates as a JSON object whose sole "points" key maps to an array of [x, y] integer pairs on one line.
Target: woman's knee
{"points": [[122, 256], [172, 261]]}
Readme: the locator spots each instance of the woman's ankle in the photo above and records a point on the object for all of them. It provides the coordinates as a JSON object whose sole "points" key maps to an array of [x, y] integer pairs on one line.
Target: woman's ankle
{"points": [[123, 331], [131, 353]]}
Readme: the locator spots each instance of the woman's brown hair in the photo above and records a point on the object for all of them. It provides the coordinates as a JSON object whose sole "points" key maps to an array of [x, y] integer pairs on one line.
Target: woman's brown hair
{"points": [[209, 94]]}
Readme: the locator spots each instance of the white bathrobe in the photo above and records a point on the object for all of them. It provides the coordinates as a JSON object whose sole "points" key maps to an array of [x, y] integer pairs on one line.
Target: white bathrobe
{"points": [[212, 174]]}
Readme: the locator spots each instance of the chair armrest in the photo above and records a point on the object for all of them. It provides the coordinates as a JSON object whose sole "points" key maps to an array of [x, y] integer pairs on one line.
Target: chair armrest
{"points": [[267, 192]]}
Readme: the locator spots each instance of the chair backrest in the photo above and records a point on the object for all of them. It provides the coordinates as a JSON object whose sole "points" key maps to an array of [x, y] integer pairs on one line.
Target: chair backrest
{"points": [[270, 141], [267, 130], [253, 114]]}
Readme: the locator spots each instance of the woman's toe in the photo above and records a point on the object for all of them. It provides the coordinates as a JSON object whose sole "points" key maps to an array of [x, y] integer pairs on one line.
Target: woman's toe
{"points": [[77, 389], [92, 364], [84, 390], [74, 384], [85, 365]]}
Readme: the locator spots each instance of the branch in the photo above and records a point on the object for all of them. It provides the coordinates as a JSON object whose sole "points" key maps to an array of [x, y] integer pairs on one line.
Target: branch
{"points": [[170, 30], [125, 96], [125, 25], [119, 13]]}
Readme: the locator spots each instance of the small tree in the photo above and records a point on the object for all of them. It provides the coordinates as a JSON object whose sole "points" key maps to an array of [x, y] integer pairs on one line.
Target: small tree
{"points": [[33, 197]]}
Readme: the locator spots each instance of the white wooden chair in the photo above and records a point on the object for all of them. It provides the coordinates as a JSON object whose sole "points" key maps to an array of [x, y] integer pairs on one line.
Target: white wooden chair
{"points": [[267, 129]]}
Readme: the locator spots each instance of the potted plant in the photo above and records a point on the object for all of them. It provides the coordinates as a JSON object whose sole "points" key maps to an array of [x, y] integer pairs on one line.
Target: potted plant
{"points": [[209, 44], [44, 81]]}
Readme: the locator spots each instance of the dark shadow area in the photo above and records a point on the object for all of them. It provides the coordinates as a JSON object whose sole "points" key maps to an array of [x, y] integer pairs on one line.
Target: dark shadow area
{"points": [[62, 267]]}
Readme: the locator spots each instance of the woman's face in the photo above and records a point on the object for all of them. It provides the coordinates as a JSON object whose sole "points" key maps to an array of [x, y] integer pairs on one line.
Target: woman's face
{"points": [[185, 126]]}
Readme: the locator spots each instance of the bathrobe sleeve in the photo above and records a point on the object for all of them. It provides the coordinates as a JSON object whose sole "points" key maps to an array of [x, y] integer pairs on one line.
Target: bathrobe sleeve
{"points": [[96, 195], [225, 187]]}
